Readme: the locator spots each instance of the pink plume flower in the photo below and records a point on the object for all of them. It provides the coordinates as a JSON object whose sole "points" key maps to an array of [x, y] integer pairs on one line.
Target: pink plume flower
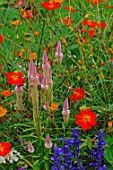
{"points": [[58, 53], [46, 106], [18, 88], [48, 143], [66, 111], [30, 147]]}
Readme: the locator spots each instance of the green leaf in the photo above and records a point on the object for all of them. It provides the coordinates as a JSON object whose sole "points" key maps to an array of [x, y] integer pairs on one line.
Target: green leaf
{"points": [[72, 47], [109, 154]]}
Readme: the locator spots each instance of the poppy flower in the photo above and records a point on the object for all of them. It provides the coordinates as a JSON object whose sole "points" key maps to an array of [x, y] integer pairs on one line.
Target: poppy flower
{"points": [[86, 119], [16, 22], [5, 148], [1, 38], [77, 95], [71, 9], [15, 78], [2, 111], [51, 5], [33, 56], [6, 93]]}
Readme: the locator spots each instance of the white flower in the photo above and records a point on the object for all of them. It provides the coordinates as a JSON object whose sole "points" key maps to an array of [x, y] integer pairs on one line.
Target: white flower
{"points": [[2, 159]]}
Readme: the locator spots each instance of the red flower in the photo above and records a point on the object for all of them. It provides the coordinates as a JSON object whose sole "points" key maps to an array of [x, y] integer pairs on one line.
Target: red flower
{"points": [[71, 9], [5, 148], [91, 33], [95, 2], [86, 119], [77, 95], [108, 6], [90, 23], [15, 78], [93, 24], [1, 38], [101, 25], [51, 5], [67, 21]]}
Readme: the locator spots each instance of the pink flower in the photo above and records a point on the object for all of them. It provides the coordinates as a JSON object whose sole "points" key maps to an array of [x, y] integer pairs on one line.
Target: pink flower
{"points": [[66, 111], [48, 143], [30, 147], [59, 53], [46, 106]]}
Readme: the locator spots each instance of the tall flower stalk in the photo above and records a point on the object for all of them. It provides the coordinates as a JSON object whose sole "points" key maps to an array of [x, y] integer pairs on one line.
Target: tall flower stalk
{"points": [[34, 95], [47, 82], [19, 102]]}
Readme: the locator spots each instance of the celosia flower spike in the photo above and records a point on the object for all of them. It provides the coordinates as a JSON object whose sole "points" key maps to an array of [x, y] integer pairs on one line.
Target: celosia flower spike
{"points": [[30, 147], [59, 53], [66, 111], [48, 143]]}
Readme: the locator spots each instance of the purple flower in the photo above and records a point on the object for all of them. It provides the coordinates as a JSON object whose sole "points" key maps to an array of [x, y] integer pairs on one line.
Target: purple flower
{"points": [[67, 154], [98, 152], [22, 141], [76, 142], [56, 158]]}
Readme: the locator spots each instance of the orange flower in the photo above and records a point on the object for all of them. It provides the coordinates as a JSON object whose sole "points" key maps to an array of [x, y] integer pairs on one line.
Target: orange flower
{"points": [[51, 5], [95, 2], [86, 119], [25, 13], [58, 1], [2, 111], [71, 9], [5, 148], [54, 106], [15, 78], [16, 22], [110, 124], [33, 56], [67, 21], [36, 33], [6, 93]]}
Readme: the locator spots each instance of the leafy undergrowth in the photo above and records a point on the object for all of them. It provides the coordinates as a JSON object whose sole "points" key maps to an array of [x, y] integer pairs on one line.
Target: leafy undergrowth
{"points": [[56, 85]]}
